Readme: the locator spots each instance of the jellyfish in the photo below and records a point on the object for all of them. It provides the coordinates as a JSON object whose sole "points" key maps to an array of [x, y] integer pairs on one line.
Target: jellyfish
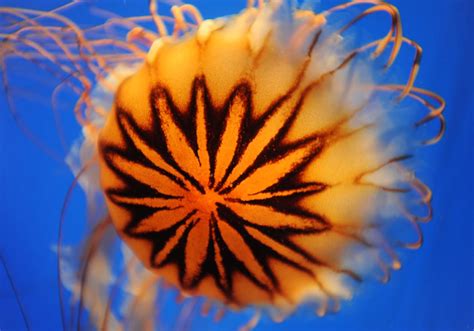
{"points": [[263, 160]]}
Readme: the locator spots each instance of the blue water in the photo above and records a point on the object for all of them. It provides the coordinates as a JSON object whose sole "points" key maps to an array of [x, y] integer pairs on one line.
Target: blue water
{"points": [[434, 289]]}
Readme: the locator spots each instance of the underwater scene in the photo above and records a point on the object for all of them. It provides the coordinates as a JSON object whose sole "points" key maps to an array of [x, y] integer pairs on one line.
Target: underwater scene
{"points": [[236, 165]]}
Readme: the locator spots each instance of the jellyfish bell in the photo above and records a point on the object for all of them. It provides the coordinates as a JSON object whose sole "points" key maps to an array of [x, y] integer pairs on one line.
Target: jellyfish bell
{"points": [[254, 160], [236, 168]]}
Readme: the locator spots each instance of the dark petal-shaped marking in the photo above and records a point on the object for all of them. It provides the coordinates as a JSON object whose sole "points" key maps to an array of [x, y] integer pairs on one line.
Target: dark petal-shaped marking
{"points": [[148, 151], [196, 251], [272, 172], [148, 176], [243, 253], [172, 242], [269, 217], [161, 220], [176, 141], [201, 134], [232, 131]]}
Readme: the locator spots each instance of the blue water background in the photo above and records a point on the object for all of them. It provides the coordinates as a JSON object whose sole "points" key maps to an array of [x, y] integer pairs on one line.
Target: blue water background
{"points": [[433, 290]]}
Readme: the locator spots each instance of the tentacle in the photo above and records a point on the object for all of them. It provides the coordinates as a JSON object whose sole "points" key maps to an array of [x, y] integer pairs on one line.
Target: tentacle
{"points": [[425, 200], [114, 292], [128, 23], [16, 117], [184, 319], [422, 96], [91, 248], [94, 62], [15, 293], [160, 26], [86, 85], [220, 312], [79, 34], [378, 6], [414, 68], [53, 59], [252, 323], [180, 24], [53, 36], [62, 218], [313, 22], [141, 35], [194, 12], [151, 281], [418, 242], [206, 308], [358, 180], [40, 14]]}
